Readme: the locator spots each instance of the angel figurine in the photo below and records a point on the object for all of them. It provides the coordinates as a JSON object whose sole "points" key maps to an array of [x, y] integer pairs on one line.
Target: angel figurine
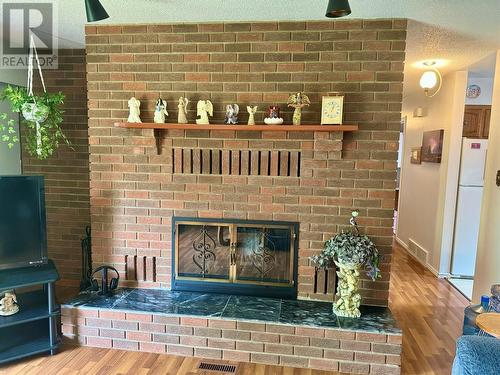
{"points": [[298, 101], [134, 111], [251, 109], [8, 304], [160, 111], [182, 116], [232, 111], [203, 110]]}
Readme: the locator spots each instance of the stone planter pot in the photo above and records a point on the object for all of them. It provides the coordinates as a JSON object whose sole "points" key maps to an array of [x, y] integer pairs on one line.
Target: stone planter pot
{"points": [[347, 298], [35, 112]]}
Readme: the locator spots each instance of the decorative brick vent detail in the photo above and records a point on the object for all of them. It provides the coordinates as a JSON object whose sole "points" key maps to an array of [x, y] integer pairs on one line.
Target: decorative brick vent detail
{"points": [[140, 268], [236, 162], [325, 281]]}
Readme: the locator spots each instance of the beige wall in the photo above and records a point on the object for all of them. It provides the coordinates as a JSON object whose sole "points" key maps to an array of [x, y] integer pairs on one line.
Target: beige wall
{"points": [[488, 256], [425, 195]]}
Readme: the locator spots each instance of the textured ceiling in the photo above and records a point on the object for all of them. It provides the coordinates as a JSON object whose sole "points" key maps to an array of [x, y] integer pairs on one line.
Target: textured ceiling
{"points": [[459, 32]]}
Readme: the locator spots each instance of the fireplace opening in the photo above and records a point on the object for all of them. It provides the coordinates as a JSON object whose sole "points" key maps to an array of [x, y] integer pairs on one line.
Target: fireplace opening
{"points": [[247, 257]]}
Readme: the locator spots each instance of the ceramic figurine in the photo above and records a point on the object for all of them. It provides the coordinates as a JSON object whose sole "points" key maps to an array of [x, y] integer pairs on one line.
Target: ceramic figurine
{"points": [[251, 109], [134, 111], [298, 101], [8, 304], [160, 111], [232, 111], [273, 117], [204, 109], [182, 116]]}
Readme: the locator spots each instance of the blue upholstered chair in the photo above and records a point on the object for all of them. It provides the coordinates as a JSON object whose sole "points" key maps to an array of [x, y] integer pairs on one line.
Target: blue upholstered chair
{"points": [[477, 355]]}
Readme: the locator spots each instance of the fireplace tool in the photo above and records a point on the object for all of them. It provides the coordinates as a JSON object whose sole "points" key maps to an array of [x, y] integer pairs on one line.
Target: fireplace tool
{"points": [[86, 280]]}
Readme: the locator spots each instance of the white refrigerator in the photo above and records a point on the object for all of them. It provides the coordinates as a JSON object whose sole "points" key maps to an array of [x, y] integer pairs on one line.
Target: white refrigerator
{"points": [[468, 215]]}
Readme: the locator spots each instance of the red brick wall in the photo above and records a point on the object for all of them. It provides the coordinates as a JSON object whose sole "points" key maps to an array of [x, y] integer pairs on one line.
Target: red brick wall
{"points": [[134, 192], [67, 172], [329, 349]]}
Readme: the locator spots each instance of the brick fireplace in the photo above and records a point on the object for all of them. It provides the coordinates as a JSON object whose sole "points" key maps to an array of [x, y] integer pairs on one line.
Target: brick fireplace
{"points": [[313, 178]]}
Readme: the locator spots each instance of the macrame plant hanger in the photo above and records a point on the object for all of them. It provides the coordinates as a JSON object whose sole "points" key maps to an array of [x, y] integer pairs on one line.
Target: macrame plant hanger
{"points": [[33, 52]]}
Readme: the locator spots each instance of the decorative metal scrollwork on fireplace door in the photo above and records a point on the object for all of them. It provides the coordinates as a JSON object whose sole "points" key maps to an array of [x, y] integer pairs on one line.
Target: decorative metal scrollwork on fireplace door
{"points": [[204, 249], [263, 257]]}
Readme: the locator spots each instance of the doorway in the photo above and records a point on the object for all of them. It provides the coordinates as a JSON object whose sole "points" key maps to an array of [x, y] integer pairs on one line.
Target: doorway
{"points": [[474, 150]]}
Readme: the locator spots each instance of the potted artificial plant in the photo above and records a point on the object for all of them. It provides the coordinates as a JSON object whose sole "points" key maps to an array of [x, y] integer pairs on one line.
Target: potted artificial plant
{"points": [[41, 116], [350, 252]]}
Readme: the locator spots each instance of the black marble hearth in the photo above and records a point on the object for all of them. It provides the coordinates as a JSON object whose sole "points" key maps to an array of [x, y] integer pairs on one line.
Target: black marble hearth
{"points": [[269, 310]]}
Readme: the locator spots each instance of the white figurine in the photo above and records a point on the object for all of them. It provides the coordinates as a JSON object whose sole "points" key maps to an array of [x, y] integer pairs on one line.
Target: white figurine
{"points": [[204, 109], [8, 304], [160, 111], [182, 117], [134, 111], [251, 109], [298, 101], [232, 111]]}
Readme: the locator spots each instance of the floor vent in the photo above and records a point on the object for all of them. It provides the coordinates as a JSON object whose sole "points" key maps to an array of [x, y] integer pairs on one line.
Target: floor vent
{"points": [[217, 367], [418, 251]]}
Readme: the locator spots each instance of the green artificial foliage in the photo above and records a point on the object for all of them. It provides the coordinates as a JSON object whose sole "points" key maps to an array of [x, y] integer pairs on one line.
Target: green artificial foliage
{"points": [[7, 132], [350, 249], [46, 108]]}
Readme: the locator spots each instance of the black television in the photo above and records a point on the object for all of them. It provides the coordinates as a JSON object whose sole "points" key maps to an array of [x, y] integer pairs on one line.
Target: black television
{"points": [[23, 235]]}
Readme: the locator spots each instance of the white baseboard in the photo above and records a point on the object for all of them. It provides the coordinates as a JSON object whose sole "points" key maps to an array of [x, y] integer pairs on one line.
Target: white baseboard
{"points": [[426, 265], [401, 242]]}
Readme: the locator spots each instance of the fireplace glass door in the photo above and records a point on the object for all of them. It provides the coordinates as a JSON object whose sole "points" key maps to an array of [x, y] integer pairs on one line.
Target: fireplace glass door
{"points": [[263, 254], [243, 257], [204, 251]]}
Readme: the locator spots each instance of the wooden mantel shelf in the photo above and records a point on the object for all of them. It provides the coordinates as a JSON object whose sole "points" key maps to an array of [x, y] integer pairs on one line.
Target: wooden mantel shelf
{"points": [[288, 128]]}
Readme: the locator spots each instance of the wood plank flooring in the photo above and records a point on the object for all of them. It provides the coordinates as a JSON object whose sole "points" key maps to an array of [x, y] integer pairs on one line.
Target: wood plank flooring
{"points": [[429, 310]]}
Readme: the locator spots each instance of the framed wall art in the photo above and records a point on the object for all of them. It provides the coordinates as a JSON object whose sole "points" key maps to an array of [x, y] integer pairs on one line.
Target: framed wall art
{"points": [[432, 146], [332, 110]]}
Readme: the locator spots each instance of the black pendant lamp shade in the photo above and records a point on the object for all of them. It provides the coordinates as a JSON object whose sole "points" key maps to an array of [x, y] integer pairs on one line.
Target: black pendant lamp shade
{"points": [[338, 8], [95, 11]]}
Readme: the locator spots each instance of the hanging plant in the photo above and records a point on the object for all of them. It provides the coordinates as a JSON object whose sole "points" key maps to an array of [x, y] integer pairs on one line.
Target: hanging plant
{"points": [[41, 117], [41, 114]]}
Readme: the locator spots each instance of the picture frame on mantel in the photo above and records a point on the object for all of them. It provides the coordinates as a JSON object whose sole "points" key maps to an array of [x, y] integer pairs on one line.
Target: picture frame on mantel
{"points": [[332, 109]]}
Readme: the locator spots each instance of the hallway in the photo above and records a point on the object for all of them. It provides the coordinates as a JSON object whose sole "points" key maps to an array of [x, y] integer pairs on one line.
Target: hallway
{"points": [[429, 310]]}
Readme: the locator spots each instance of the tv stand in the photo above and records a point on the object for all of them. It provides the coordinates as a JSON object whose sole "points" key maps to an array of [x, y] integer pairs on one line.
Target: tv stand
{"points": [[34, 329]]}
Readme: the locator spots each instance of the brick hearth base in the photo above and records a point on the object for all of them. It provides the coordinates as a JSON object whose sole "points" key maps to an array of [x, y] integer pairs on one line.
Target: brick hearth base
{"points": [[334, 349]]}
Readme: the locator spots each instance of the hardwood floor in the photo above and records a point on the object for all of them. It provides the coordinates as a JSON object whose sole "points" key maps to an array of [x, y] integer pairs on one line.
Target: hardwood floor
{"points": [[429, 310]]}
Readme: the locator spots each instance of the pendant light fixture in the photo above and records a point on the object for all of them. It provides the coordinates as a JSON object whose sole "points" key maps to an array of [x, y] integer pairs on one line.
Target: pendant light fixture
{"points": [[338, 8], [95, 11]]}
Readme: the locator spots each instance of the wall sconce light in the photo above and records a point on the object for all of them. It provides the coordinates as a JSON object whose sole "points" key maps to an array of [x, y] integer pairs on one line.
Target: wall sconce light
{"points": [[95, 11], [338, 8], [430, 79]]}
